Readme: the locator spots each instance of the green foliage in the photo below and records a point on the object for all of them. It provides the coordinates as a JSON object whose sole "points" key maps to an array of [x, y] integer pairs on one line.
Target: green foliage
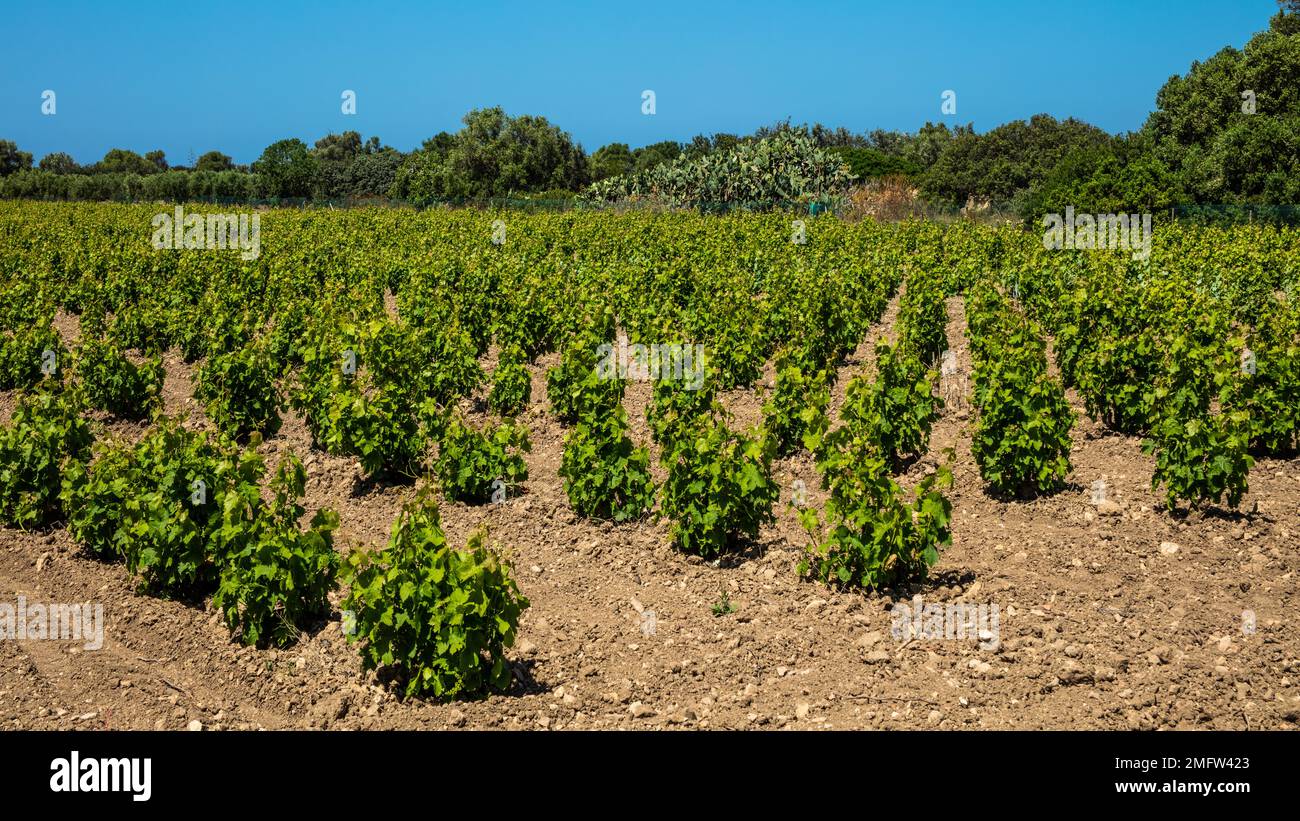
{"points": [[512, 385], [719, 488], [286, 169], [157, 504], [877, 539], [923, 318], [367, 390], [796, 403], [240, 391], [1115, 379], [471, 462], [494, 155], [188, 517], [674, 407], [723, 606], [785, 167], [112, 382], [45, 437], [1271, 397], [94, 494], [439, 617], [577, 387], [1201, 456], [870, 163], [1217, 150], [172, 510], [274, 577], [1201, 459], [606, 477], [895, 411], [1022, 438], [1005, 161], [23, 352]]}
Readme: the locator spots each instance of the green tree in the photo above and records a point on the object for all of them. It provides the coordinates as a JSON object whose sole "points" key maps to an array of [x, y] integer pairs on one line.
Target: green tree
{"points": [[214, 161], [494, 155], [59, 163], [656, 154], [287, 169], [11, 159], [1007, 161], [122, 161], [1229, 129], [611, 161]]}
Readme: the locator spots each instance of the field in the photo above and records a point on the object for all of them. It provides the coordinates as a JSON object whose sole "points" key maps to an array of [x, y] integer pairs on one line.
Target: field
{"points": [[845, 417]]}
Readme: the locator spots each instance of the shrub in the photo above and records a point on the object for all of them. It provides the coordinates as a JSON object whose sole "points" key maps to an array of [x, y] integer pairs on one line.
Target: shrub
{"points": [[511, 384], [24, 352], [1201, 459], [94, 494], [240, 391], [112, 382], [798, 398], [274, 577], [674, 407], [604, 475], [575, 387], [437, 616], [876, 538], [719, 487], [471, 462], [166, 490], [45, 437], [895, 411], [365, 392]]}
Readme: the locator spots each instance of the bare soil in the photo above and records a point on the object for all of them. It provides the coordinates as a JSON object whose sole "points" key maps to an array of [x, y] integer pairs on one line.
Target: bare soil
{"points": [[1099, 626]]}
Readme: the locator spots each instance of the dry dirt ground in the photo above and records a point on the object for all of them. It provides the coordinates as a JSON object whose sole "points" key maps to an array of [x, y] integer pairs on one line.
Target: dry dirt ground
{"points": [[1118, 616]]}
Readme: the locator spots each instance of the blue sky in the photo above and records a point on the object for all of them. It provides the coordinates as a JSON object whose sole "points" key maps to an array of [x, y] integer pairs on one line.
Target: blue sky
{"points": [[189, 77]]}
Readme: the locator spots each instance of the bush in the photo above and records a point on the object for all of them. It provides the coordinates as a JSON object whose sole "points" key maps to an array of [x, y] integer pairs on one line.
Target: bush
{"points": [[274, 577], [24, 352], [240, 391], [719, 487], [472, 463], [1270, 394], [674, 407], [575, 387], [1201, 459], [439, 617], [158, 504], [45, 437], [877, 539], [798, 399], [511, 384], [604, 475], [365, 391], [111, 382], [896, 411], [94, 495], [1022, 439]]}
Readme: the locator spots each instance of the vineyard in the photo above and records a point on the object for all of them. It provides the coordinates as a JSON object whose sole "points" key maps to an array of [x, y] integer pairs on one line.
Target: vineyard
{"points": [[580, 470]]}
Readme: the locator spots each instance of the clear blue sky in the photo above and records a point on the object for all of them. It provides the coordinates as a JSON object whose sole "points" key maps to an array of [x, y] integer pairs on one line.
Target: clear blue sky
{"points": [[189, 77]]}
